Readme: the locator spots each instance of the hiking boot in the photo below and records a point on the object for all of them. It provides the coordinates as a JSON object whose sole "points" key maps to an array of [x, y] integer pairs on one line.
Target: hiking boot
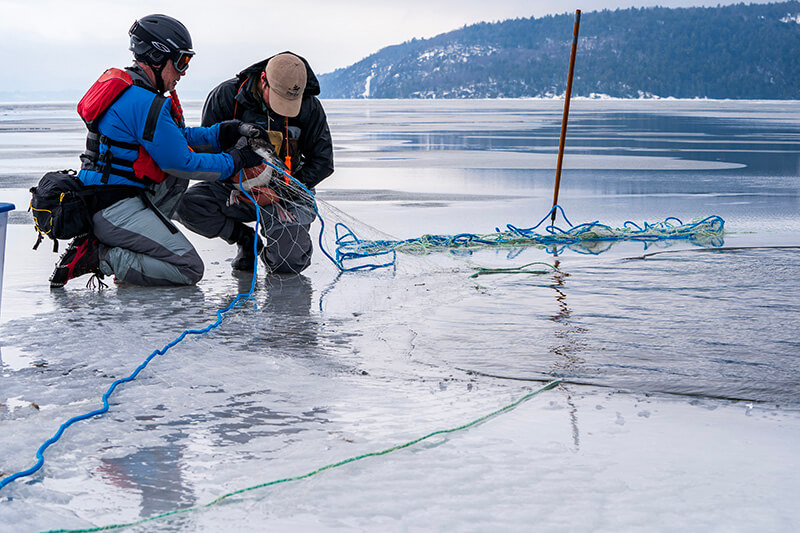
{"points": [[82, 257], [245, 258]]}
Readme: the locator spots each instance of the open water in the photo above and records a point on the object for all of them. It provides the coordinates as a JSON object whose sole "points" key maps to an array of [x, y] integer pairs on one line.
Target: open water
{"points": [[679, 359]]}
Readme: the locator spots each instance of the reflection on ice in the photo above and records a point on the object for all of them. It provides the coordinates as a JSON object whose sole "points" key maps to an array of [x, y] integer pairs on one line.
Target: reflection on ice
{"points": [[153, 473]]}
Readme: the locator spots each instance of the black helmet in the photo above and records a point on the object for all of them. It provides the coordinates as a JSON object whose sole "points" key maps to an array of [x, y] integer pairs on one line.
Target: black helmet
{"points": [[158, 38]]}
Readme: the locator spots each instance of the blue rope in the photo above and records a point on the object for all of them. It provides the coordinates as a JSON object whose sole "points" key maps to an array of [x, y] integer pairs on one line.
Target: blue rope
{"points": [[239, 300]]}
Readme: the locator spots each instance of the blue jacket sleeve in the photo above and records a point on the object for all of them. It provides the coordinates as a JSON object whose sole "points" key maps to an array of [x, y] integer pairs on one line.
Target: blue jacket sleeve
{"points": [[203, 139], [169, 148]]}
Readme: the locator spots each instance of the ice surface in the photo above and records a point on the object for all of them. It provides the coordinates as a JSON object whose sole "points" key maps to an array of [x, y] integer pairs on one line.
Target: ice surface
{"points": [[679, 406]]}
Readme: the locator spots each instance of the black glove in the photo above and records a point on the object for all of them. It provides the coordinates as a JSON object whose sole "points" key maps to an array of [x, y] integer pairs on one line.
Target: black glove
{"points": [[252, 131], [244, 157], [229, 133]]}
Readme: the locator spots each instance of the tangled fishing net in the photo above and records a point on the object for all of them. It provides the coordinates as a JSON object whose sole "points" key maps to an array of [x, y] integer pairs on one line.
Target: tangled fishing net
{"points": [[350, 249]]}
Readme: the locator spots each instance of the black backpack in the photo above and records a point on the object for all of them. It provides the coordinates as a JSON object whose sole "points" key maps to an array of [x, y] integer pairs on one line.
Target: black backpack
{"points": [[60, 207]]}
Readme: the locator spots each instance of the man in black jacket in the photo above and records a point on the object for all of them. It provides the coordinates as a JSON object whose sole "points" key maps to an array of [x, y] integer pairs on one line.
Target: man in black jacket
{"points": [[278, 94]]}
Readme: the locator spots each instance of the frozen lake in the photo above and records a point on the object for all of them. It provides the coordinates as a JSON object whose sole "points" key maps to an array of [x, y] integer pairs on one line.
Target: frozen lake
{"points": [[679, 407]]}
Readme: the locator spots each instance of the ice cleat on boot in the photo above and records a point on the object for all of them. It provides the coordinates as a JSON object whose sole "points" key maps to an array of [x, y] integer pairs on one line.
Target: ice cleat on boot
{"points": [[82, 257]]}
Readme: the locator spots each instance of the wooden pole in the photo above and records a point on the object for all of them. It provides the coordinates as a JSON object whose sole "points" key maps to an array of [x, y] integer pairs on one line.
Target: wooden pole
{"points": [[566, 112]]}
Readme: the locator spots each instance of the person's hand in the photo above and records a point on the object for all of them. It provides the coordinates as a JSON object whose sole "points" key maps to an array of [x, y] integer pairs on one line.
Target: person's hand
{"points": [[244, 157], [252, 131], [229, 133]]}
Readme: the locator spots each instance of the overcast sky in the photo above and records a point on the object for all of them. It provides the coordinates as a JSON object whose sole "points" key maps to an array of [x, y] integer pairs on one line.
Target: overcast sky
{"points": [[64, 45]]}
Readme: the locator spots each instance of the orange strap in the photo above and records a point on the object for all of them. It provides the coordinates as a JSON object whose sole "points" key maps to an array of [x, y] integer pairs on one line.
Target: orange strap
{"points": [[288, 159]]}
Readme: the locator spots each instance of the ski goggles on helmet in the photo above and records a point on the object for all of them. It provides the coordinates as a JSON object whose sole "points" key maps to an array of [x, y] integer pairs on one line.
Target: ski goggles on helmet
{"points": [[182, 62]]}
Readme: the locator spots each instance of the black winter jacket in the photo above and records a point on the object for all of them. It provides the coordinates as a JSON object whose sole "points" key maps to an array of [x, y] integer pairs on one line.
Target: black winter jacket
{"points": [[309, 129]]}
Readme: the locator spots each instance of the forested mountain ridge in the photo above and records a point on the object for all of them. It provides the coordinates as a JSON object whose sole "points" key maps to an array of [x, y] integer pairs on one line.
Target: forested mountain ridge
{"points": [[738, 51]]}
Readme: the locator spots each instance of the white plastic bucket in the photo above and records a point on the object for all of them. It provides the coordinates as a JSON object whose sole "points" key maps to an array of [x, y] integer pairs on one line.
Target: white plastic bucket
{"points": [[4, 209]]}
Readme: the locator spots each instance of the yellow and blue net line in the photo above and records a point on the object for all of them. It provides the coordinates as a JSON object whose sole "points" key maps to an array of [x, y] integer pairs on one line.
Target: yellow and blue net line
{"points": [[350, 248]]}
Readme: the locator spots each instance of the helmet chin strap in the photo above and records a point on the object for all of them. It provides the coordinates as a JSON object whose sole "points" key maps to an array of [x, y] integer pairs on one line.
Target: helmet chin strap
{"points": [[157, 70]]}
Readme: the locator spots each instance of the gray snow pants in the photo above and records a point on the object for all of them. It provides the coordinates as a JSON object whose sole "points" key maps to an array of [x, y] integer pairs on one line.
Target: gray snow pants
{"points": [[139, 247], [204, 209]]}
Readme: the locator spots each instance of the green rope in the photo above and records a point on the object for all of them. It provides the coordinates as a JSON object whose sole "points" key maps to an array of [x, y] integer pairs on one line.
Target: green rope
{"points": [[475, 422]]}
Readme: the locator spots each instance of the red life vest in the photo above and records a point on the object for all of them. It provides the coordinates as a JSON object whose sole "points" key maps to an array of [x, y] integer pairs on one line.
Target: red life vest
{"points": [[100, 96]]}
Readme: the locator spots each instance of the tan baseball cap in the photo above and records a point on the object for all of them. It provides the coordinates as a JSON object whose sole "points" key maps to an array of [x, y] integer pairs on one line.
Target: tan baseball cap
{"points": [[286, 77]]}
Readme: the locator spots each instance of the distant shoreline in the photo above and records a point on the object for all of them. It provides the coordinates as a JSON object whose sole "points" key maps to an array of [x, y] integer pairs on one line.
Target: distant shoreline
{"points": [[417, 100]]}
